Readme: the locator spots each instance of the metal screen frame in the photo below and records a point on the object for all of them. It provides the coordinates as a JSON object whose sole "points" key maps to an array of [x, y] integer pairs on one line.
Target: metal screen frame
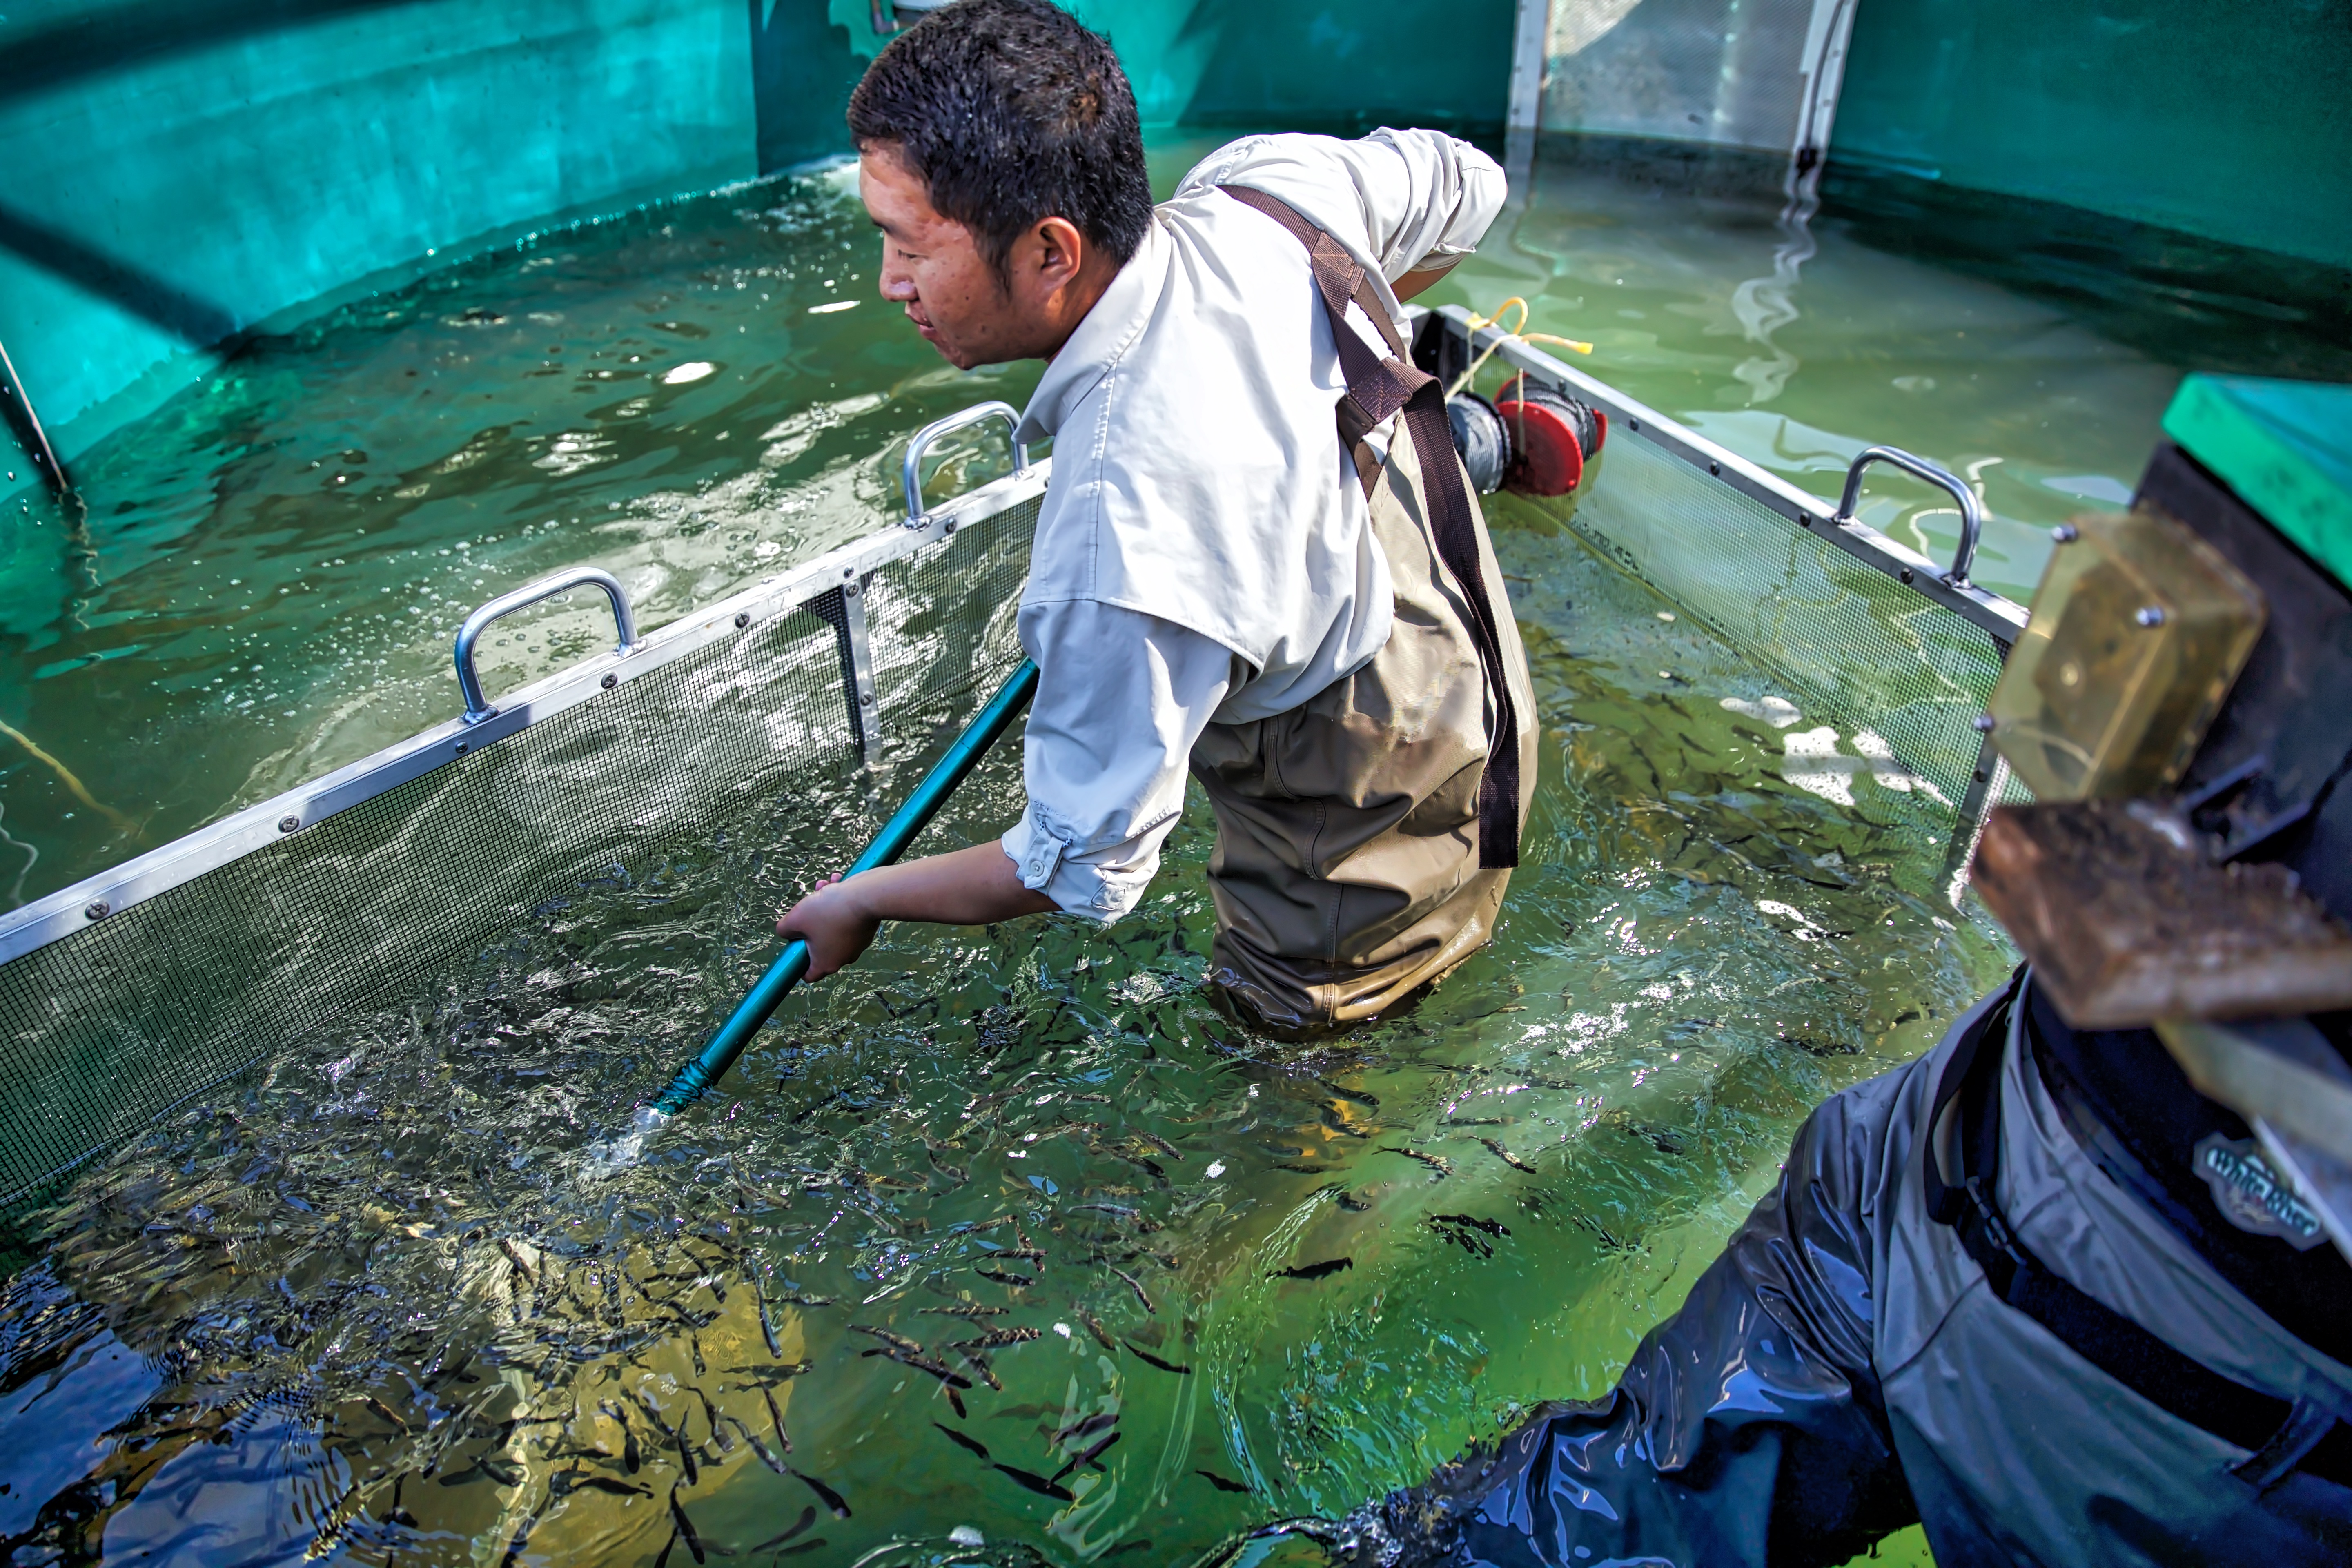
{"points": [[2001, 618], [95, 898]]}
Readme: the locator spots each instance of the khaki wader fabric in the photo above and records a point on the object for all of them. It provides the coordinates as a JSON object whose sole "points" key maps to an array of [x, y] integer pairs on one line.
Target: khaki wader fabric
{"points": [[1346, 871]]}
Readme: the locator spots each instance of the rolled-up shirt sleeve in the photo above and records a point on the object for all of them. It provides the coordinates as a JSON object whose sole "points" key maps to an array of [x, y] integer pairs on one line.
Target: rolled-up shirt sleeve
{"points": [[1121, 697], [1401, 200]]}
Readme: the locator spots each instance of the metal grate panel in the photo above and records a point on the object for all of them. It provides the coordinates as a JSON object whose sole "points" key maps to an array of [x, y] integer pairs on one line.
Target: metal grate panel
{"points": [[105, 1029], [1854, 645]]}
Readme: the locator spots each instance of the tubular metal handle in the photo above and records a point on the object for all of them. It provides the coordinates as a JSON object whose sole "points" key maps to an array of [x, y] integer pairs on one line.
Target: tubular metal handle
{"points": [[921, 444], [1972, 509], [470, 683]]}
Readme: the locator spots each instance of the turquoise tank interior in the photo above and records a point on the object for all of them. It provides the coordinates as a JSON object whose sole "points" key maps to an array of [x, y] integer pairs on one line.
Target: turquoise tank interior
{"points": [[282, 206]]}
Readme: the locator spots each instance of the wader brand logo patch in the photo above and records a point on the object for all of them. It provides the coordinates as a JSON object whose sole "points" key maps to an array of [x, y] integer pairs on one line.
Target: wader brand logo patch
{"points": [[2250, 1195]]}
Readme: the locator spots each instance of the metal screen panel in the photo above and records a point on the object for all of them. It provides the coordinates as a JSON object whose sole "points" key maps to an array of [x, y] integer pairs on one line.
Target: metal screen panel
{"points": [[1760, 74], [105, 1027], [1854, 645], [1863, 632]]}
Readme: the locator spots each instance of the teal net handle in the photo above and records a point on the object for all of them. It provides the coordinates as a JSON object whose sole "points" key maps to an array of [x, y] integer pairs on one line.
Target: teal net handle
{"points": [[791, 965]]}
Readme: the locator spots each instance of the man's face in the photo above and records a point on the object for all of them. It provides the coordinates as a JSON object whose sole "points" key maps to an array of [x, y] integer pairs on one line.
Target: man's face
{"points": [[933, 267]]}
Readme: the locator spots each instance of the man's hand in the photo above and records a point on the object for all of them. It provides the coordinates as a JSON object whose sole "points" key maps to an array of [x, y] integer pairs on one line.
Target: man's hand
{"points": [[835, 924], [967, 888]]}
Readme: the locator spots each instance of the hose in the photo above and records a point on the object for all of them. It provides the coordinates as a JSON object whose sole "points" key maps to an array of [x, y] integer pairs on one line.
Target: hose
{"points": [[791, 965]]}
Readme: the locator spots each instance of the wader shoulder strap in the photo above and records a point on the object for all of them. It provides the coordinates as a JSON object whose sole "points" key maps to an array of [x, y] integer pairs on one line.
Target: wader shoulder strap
{"points": [[1377, 388], [2283, 1436]]}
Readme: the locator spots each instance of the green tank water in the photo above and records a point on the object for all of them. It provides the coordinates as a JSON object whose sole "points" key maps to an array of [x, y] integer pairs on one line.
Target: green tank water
{"points": [[1000, 1248]]}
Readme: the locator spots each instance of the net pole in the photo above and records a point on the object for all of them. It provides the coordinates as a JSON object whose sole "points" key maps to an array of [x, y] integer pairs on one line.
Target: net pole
{"points": [[791, 965]]}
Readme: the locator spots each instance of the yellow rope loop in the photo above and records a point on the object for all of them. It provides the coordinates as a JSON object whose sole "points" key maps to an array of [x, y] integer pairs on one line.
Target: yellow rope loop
{"points": [[1508, 334], [65, 775]]}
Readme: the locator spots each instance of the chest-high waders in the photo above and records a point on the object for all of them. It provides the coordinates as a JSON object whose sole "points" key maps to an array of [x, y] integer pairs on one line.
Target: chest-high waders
{"points": [[1364, 839]]}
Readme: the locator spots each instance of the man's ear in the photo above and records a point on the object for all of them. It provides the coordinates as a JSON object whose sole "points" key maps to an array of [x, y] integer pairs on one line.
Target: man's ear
{"points": [[1061, 251]]}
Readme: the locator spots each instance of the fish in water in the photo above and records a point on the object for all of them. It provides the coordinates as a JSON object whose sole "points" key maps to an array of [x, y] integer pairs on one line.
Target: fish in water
{"points": [[1437, 1162], [1513, 1161], [1162, 1144], [900, 1342], [1090, 1455], [1094, 1327], [1354, 1203], [686, 1527], [1151, 1360], [799, 1526], [784, 1438], [767, 1324], [1038, 1484], [967, 1310], [996, 1339], [978, 1364], [939, 1370], [521, 1537], [631, 1459], [1078, 1431], [970, 1445], [768, 1376], [1322, 1270], [1027, 1412], [1220, 1482], [563, 1483], [1006, 1277], [498, 1469], [1471, 1235], [711, 1414], [824, 1494], [766, 1457], [1133, 1284]]}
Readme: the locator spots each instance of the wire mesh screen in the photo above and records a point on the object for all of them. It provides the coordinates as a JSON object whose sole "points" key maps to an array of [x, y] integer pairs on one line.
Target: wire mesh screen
{"points": [[1898, 678], [951, 614], [1737, 73], [105, 1029]]}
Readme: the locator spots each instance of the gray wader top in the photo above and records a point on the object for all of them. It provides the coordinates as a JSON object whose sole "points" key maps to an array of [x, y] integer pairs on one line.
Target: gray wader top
{"points": [[1365, 839], [1848, 1366]]}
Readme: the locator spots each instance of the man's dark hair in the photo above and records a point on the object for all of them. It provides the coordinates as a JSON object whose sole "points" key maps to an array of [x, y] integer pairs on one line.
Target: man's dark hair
{"points": [[1011, 112]]}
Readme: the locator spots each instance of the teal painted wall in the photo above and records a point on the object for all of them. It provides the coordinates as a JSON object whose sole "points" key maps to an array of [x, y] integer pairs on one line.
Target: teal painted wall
{"points": [[2229, 118], [1292, 62], [181, 170], [159, 198], [1444, 63]]}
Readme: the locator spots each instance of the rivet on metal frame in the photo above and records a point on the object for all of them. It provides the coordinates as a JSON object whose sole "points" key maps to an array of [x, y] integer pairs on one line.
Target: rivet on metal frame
{"points": [[100, 910], [742, 619], [460, 748], [611, 680], [289, 823]]}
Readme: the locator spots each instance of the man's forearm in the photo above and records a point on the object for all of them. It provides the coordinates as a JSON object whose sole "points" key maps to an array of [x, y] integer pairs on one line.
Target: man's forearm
{"points": [[963, 887]]}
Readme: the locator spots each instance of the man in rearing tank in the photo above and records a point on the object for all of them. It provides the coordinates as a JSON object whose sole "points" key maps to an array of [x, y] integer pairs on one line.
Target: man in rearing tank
{"points": [[1256, 555]]}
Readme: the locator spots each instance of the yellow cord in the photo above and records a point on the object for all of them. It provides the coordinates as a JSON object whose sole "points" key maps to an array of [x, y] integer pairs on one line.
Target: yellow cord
{"points": [[79, 793], [1509, 335]]}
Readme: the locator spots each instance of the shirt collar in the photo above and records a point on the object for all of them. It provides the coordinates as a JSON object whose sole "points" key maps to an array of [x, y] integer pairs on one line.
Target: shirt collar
{"points": [[1099, 341]]}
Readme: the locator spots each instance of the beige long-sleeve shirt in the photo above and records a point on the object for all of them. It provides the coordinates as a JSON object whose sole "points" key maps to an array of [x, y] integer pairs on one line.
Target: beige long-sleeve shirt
{"points": [[1205, 552]]}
